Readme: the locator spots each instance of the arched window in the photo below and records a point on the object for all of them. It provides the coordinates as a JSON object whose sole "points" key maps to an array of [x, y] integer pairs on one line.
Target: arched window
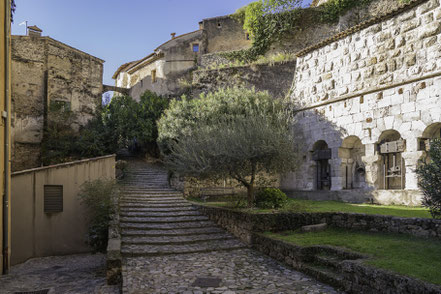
{"points": [[392, 168], [321, 154]]}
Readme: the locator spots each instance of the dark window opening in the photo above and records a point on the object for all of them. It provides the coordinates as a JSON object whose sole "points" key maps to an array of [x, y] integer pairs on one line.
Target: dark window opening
{"points": [[195, 48], [53, 198]]}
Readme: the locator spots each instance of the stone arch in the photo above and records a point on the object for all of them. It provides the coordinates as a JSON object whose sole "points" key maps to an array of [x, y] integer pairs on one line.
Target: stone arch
{"points": [[431, 132], [321, 155], [391, 167], [352, 169]]}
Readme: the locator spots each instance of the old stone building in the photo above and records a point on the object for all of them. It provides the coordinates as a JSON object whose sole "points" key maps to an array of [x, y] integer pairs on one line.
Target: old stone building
{"points": [[368, 103], [46, 71], [169, 67]]}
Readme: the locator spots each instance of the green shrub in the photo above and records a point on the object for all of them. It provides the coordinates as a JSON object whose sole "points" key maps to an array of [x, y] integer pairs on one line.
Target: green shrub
{"points": [[270, 198], [430, 179], [98, 196]]}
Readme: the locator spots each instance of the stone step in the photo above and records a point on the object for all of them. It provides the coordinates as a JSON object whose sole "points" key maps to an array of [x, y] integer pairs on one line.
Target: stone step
{"points": [[156, 250], [166, 220], [148, 209], [154, 198], [172, 233], [158, 214], [152, 205], [323, 274], [165, 240], [153, 201], [169, 226]]}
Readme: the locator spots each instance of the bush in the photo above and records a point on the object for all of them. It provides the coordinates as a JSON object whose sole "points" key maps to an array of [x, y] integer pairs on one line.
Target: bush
{"points": [[270, 198], [98, 196], [430, 179]]}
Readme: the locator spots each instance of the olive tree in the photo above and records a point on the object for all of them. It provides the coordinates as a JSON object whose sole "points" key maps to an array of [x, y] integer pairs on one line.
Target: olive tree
{"points": [[430, 179], [235, 133]]}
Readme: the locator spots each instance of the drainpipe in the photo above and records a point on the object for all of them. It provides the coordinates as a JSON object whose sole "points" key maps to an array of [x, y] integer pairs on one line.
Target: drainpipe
{"points": [[6, 146]]}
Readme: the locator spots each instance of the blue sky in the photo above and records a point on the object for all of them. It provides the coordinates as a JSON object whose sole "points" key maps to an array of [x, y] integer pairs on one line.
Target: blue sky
{"points": [[117, 31]]}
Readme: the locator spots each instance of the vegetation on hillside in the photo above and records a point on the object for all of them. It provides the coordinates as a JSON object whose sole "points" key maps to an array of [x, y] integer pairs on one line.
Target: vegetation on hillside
{"points": [[269, 21], [231, 133], [124, 123]]}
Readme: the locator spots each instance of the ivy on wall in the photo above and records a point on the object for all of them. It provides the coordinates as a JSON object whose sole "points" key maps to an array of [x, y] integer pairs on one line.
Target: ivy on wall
{"points": [[268, 21]]}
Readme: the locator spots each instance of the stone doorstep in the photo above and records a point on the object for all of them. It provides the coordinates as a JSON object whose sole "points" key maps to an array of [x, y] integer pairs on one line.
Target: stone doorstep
{"points": [[164, 220], [152, 214], [342, 269], [173, 226], [170, 240]]}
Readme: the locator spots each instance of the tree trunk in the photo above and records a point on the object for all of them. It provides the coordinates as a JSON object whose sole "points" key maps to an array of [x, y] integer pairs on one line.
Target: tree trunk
{"points": [[250, 194]]}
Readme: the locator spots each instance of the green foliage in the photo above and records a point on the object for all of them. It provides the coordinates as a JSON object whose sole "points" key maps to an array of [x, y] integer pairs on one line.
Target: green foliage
{"points": [[269, 21], [236, 133], [59, 135], [271, 198], [333, 9], [134, 123], [123, 123], [430, 179], [99, 197]]}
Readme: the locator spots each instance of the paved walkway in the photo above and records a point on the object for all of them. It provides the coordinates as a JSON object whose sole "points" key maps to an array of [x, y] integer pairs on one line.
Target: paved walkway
{"points": [[170, 247], [73, 274]]}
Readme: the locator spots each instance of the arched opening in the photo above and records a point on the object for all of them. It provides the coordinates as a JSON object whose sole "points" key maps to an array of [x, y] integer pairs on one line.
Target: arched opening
{"points": [[432, 132], [321, 154], [392, 168], [352, 167]]}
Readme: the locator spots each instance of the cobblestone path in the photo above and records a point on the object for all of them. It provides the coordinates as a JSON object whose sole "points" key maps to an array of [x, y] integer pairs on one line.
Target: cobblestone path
{"points": [[170, 247]]}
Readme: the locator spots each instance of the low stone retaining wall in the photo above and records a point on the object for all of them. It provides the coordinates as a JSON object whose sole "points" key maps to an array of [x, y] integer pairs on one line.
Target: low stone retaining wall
{"points": [[344, 270], [242, 225]]}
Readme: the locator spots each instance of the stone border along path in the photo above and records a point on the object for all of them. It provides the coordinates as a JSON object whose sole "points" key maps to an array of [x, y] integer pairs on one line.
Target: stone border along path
{"points": [[168, 246]]}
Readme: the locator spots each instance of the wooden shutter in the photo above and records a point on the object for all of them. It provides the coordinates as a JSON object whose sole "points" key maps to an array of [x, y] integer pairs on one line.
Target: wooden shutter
{"points": [[53, 199]]}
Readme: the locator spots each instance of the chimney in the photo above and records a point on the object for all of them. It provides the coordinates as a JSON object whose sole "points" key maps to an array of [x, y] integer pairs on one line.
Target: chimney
{"points": [[173, 35], [34, 31]]}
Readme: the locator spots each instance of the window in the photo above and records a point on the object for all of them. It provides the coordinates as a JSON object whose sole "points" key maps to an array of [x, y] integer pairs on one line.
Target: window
{"points": [[219, 25], [154, 76], [195, 48], [53, 199]]}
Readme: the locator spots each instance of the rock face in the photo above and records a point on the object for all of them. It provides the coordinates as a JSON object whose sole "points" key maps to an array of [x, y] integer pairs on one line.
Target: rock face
{"points": [[46, 71], [367, 101]]}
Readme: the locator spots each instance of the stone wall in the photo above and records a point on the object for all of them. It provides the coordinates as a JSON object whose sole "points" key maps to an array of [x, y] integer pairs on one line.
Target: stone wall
{"points": [[45, 71], [243, 225], [224, 33], [375, 83], [274, 78]]}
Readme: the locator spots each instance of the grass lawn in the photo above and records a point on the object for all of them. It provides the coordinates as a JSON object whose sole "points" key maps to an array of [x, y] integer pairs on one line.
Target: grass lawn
{"points": [[298, 205], [407, 255]]}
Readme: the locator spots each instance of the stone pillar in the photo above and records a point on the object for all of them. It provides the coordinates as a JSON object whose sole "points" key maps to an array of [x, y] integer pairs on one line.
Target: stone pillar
{"points": [[371, 161], [336, 176], [411, 162]]}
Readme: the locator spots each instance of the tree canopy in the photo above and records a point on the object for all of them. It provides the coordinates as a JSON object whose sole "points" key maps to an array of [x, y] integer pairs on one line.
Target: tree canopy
{"points": [[234, 132]]}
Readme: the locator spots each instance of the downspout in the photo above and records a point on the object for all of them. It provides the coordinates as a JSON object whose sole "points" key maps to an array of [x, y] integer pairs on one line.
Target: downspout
{"points": [[6, 146]]}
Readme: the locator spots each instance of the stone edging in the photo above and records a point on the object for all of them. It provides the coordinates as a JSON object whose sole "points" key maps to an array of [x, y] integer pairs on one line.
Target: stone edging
{"points": [[343, 270], [242, 225], [114, 257]]}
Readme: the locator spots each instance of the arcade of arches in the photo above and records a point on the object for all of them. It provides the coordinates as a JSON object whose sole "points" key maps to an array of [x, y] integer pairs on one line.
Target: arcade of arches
{"points": [[366, 171]]}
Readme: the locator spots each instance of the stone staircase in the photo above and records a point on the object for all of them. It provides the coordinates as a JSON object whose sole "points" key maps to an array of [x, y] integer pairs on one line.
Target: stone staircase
{"points": [[156, 220]]}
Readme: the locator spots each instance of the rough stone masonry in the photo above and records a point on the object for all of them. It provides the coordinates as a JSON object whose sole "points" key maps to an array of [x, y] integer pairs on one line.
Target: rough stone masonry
{"points": [[368, 103]]}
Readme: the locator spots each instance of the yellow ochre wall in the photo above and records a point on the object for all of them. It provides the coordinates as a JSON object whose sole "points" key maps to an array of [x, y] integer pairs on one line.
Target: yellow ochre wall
{"points": [[4, 121], [36, 233]]}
